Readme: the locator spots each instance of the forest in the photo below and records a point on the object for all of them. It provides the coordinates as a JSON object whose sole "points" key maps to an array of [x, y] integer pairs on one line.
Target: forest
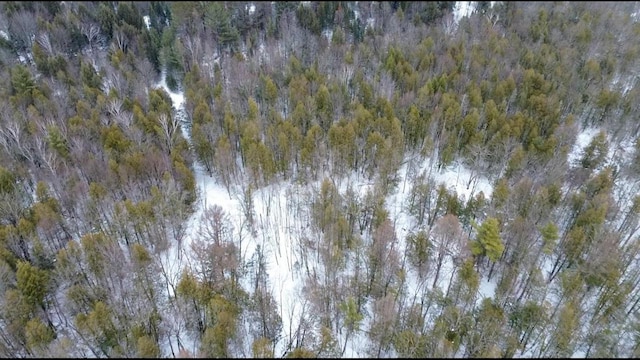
{"points": [[319, 179]]}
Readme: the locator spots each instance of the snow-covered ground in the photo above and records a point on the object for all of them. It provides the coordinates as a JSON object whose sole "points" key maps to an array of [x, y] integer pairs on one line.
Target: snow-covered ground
{"points": [[278, 223], [462, 9], [273, 211], [582, 141]]}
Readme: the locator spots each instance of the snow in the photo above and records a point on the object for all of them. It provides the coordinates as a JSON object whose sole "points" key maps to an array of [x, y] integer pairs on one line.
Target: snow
{"points": [[462, 9], [487, 289], [582, 141], [173, 260], [327, 33], [626, 85], [273, 212], [147, 21], [279, 224], [27, 58], [177, 100], [579, 354], [370, 23], [4, 34], [251, 8], [456, 178]]}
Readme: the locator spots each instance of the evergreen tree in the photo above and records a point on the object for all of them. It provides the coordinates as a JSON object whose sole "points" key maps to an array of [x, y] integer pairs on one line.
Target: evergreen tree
{"points": [[488, 242]]}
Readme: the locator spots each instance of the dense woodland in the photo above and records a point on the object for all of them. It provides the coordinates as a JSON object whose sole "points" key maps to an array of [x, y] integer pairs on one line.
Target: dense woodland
{"points": [[99, 179]]}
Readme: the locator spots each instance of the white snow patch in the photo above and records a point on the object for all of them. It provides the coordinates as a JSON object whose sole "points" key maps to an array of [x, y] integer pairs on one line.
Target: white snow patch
{"points": [[177, 98], [487, 289], [462, 9], [4, 34], [275, 213], [579, 354], [626, 85], [370, 23], [582, 141], [251, 8], [457, 178], [327, 33], [147, 21]]}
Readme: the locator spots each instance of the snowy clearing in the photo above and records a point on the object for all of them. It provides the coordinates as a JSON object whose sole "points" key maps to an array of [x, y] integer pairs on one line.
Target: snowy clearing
{"points": [[279, 227]]}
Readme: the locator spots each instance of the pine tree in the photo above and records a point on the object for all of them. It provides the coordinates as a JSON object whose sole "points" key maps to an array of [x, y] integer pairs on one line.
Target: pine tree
{"points": [[38, 336], [32, 283], [218, 19], [488, 242]]}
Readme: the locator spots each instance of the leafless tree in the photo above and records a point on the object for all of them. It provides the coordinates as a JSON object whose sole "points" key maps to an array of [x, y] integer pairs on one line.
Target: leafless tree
{"points": [[120, 40], [147, 75], [43, 40], [48, 156], [383, 323], [383, 259], [214, 249], [194, 53], [91, 32], [23, 27], [386, 86], [168, 128], [448, 239], [13, 139]]}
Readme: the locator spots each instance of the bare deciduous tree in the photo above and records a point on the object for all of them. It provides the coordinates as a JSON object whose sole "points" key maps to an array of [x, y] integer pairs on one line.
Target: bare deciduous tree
{"points": [[168, 129], [120, 40], [43, 40], [214, 250], [383, 323], [91, 32], [448, 239], [22, 28]]}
